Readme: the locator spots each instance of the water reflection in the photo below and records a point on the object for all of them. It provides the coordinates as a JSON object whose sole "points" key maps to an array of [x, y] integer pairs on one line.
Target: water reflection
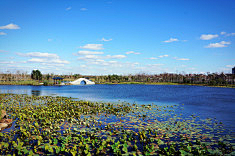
{"points": [[36, 92]]}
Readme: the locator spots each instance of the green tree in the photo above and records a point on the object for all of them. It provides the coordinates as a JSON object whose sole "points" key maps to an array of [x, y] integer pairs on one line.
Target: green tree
{"points": [[36, 75]]}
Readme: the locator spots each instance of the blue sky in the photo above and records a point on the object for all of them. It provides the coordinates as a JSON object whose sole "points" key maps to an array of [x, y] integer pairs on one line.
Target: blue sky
{"points": [[102, 37]]}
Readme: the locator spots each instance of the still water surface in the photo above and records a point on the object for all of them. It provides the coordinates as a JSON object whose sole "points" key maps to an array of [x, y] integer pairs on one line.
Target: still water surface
{"points": [[205, 102]]}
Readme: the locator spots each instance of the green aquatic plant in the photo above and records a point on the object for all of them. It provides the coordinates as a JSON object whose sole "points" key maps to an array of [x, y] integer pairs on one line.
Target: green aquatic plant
{"points": [[65, 126]]}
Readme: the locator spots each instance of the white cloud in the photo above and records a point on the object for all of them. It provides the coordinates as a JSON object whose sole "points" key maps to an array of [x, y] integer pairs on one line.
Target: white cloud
{"points": [[92, 46], [106, 40], [115, 56], [163, 56], [132, 52], [38, 54], [102, 62], [112, 62], [47, 61], [81, 52], [7, 62], [10, 26], [49, 39], [86, 57], [152, 58], [222, 33], [218, 45], [2, 33], [227, 34], [224, 42], [155, 65], [59, 61], [36, 60], [89, 57], [83, 9], [208, 36], [69, 8], [230, 66], [44, 58], [231, 34], [171, 40], [181, 59], [113, 65]]}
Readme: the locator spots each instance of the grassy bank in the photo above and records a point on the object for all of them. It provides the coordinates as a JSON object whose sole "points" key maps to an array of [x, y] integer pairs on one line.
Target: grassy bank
{"points": [[63, 126], [144, 83], [50, 83], [170, 83], [28, 82]]}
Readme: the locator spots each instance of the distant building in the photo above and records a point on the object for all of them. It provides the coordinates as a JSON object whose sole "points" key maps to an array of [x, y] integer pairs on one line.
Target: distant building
{"points": [[233, 70]]}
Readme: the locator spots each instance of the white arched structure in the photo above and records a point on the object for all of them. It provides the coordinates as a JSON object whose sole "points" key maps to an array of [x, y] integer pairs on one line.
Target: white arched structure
{"points": [[78, 81]]}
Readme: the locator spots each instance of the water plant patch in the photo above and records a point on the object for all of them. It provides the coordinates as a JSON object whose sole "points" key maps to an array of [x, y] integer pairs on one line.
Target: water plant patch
{"points": [[65, 126]]}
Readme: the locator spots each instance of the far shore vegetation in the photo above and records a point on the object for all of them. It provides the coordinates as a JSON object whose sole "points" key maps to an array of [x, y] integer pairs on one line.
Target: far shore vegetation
{"points": [[37, 78]]}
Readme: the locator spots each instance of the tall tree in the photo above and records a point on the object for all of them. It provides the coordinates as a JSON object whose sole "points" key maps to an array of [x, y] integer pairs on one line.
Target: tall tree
{"points": [[36, 75]]}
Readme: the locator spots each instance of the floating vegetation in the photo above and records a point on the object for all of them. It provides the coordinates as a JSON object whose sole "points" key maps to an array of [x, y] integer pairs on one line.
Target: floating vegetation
{"points": [[65, 126]]}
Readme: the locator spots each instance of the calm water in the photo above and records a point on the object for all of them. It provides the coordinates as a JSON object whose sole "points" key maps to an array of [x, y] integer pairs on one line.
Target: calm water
{"points": [[203, 101]]}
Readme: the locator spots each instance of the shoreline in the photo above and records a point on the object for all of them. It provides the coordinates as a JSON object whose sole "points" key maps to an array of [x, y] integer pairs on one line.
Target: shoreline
{"points": [[128, 83], [166, 83]]}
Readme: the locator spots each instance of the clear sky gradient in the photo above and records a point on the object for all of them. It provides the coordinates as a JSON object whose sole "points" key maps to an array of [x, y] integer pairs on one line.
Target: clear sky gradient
{"points": [[100, 37]]}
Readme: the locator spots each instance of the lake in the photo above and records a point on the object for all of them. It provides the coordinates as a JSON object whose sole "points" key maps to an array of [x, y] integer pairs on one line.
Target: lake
{"points": [[206, 102]]}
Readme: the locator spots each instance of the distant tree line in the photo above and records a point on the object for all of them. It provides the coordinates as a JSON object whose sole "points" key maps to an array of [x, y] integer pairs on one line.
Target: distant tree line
{"points": [[208, 79]]}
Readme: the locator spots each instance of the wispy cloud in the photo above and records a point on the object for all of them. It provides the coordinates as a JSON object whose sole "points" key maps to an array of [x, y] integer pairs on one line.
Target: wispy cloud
{"points": [[132, 52], [161, 56], [10, 26], [103, 62], [7, 62], [69, 8], [115, 56], [106, 40], [81, 52], [181, 59], [208, 36], [43, 58], [2, 33], [227, 34], [231, 34], [222, 33], [38, 54], [88, 57], [230, 66], [155, 58], [155, 65], [218, 45], [49, 39], [152, 58], [92, 46], [83, 9], [171, 40], [51, 61]]}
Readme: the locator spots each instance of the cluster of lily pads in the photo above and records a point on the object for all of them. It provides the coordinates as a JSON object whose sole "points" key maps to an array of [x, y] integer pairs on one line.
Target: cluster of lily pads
{"points": [[65, 126]]}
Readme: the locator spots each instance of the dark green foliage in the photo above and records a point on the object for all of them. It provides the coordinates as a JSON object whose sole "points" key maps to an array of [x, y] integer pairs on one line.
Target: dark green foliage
{"points": [[45, 83], [36, 75], [46, 125]]}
